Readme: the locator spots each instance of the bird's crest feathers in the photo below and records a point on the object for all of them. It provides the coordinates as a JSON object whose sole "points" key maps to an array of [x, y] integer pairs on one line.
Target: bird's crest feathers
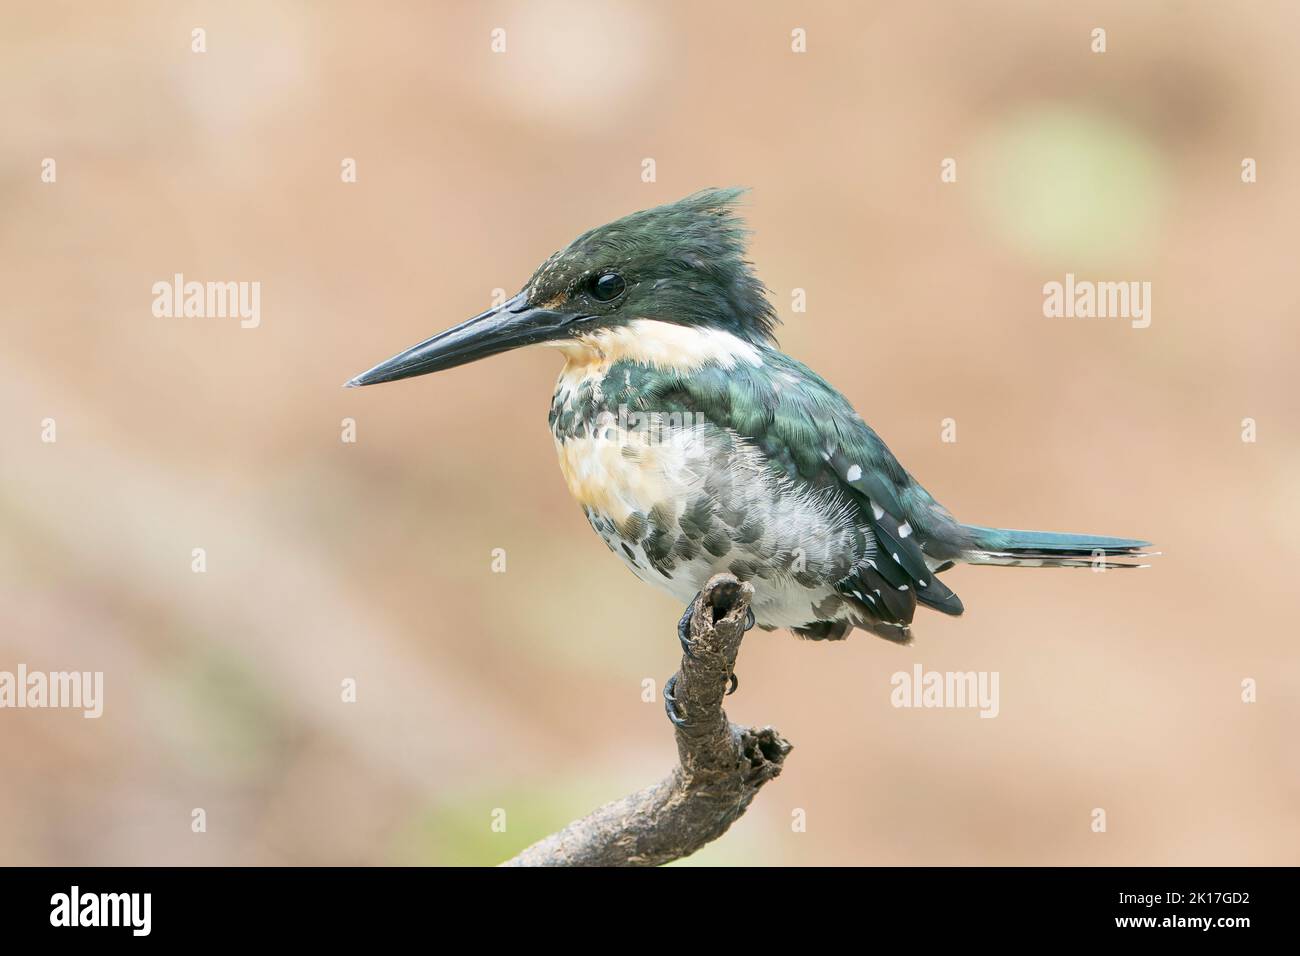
{"points": [[683, 262]]}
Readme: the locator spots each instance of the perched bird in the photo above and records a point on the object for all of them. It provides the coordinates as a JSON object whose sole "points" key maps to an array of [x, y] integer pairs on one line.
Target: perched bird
{"points": [[695, 446]]}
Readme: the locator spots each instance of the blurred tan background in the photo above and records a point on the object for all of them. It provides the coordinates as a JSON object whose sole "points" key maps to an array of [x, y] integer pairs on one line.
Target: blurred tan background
{"points": [[518, 691]]}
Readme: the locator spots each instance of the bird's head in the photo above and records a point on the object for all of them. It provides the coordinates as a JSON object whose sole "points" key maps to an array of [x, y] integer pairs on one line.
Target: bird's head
{"points": [[683, 263]]}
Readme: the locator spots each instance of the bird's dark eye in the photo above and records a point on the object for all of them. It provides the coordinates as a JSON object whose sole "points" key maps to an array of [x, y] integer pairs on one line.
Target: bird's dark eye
{"points": [[607, 287]]}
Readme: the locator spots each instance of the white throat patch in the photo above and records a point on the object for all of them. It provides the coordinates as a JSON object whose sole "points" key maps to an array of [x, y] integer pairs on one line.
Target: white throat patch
{"points": [[664, 345]]}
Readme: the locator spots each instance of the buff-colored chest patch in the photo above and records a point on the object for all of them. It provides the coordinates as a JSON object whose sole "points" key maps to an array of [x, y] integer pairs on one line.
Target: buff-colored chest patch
{"points": [[620, 472]]}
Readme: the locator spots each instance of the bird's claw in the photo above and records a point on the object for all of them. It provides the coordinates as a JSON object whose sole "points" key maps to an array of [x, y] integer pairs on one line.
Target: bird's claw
{"points": [[684, 637], [684, 627], [670, 703], [684, 630]]}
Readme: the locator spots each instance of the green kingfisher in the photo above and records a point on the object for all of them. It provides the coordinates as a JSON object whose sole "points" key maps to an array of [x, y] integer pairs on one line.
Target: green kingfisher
{"points": [[695, 446]]}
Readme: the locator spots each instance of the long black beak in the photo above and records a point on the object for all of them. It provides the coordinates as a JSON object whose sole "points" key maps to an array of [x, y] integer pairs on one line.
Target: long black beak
{"points": [[510, 325]]}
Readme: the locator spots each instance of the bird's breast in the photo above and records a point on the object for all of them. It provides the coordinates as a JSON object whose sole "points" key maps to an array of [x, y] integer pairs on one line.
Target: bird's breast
{"points": [[679, 497], [619, 471], [619, 459]]}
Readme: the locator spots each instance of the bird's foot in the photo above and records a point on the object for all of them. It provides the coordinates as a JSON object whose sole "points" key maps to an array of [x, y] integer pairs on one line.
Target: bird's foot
{"points": [[670, 703], [684, 638], [684, 629]]}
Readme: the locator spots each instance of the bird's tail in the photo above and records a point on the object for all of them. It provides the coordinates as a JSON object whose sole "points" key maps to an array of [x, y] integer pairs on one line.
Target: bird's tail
{"points": [[1050, 549]]}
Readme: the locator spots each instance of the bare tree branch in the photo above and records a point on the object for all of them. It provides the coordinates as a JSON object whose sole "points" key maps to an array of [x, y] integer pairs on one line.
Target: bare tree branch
{"points": [[721, 765]]}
